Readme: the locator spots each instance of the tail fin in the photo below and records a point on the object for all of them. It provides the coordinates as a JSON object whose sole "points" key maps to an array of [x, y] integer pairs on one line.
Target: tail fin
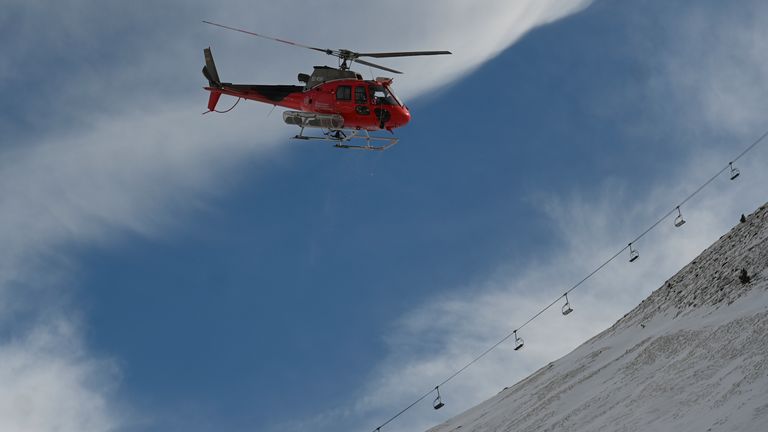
{"points": [[210, 73], [209, 70]]}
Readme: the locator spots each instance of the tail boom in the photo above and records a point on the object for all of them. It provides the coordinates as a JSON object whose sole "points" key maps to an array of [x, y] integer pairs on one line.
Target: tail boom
{"points": [[288, 96]]}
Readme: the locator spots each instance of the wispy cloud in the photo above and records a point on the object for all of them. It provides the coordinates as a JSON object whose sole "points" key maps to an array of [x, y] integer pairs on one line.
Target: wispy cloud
{"points": [[128, 175], [435, 339], [138, 163], [50, 382], [717, 72], [713, 83]]}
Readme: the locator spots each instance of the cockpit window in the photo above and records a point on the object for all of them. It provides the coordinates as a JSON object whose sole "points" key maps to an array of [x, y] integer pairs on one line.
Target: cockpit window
{"points": [[382, 96]]}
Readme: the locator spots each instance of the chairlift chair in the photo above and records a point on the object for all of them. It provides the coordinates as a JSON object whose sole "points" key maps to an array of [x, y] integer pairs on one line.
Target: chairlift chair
{"points": [[734, 171], [567, 306], [518, 341], [633, 254], [438, 403], [679, 221]]}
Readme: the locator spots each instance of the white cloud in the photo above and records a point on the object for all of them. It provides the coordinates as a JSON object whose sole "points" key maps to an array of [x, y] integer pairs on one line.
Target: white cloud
{"points": [[474, 32], [714, 82], [720, 69], [432, 341], [140, 171], [49, 382], [137, 168], [132, 174]]}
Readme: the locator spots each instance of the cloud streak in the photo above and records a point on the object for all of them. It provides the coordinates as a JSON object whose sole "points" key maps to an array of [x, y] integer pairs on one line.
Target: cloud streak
{"points": [[102, 170], [50, 382], [718, 93], [432, 341]]}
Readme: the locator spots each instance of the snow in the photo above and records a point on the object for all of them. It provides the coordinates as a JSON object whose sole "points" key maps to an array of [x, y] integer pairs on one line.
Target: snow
{"points": [[693, 356]]}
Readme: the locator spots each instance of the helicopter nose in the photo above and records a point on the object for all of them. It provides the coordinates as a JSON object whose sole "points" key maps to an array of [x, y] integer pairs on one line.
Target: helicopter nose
{"points": [[405, 117]]}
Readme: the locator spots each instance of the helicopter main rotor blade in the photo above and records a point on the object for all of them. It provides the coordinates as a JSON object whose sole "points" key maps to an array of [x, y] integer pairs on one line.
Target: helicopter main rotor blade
{"points": [[343, 54], [357, 60], [402, 54], [327, 51]]}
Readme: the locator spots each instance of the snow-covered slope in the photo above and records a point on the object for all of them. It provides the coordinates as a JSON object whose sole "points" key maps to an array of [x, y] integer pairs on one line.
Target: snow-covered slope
{"points": [[693, 356]]}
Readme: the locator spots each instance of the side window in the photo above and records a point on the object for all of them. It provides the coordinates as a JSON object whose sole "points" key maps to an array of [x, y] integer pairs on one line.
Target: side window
{"points": [[360, 95], [344, 93]]}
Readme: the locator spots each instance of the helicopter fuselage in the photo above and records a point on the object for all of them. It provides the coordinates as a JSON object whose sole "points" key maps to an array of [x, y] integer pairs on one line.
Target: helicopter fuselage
{"points": [[363, 104]]}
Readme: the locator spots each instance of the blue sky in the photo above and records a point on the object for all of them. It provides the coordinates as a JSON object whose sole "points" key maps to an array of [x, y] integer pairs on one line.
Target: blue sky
{"points": [[166, 270]]}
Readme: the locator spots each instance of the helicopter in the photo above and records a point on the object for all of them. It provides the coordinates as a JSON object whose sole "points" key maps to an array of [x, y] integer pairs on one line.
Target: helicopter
{"points": [[336, 100]]}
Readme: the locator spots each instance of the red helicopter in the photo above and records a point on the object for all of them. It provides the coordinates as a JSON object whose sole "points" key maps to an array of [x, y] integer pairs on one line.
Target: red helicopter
{"points": [[337, 101]]}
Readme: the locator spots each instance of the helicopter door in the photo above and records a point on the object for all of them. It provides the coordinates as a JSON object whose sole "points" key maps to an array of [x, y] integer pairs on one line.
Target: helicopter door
{"points": [[361, 101], [344, 103], [382, 100]]}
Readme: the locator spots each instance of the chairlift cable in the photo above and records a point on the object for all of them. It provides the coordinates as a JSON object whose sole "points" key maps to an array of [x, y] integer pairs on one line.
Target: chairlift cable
{"points": [[577, 284], [424, 396], [745, 151], [751, 146]]}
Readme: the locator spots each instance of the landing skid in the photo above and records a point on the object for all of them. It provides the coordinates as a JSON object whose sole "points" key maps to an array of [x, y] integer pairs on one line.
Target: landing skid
{"points": [[343, 139]]}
